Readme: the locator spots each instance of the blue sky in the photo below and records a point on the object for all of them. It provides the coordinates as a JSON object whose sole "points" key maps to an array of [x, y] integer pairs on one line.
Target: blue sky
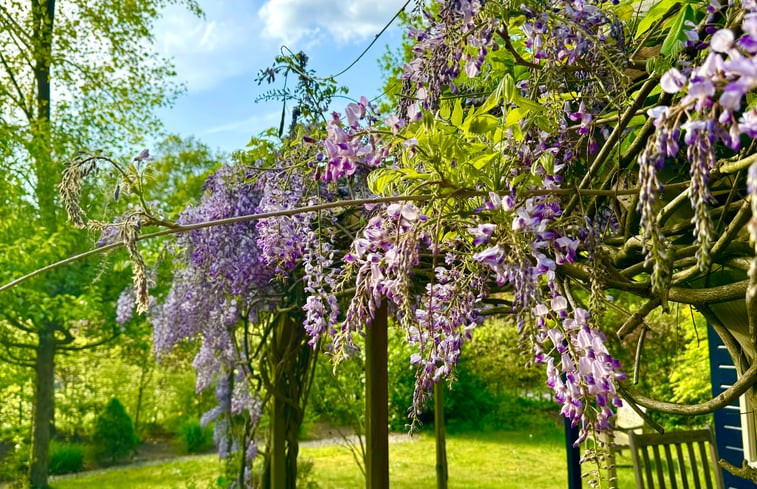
{"points": [[219, 56]]}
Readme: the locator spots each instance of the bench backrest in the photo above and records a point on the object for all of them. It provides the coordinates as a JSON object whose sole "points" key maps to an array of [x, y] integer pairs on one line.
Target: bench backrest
{"points": [[676, 460]]}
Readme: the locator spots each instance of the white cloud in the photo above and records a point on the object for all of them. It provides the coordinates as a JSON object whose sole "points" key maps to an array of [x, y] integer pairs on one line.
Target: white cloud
{"points": [[249, 125], [293, 21], [210, 50]]}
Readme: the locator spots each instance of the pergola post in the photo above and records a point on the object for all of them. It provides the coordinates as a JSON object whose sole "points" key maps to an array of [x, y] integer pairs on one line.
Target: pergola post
{"points": [[377, 402], [442, 474], [573, 455]]}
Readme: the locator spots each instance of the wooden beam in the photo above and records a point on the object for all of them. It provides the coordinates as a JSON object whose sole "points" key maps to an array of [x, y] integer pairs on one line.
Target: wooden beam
{"points": [[376, 402], [442, 471]]}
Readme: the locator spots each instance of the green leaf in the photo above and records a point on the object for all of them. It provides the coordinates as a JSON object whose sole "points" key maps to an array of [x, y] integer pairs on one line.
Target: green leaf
{"points": [[493, 100], [676, 34], [481, 124], [515, 115], [508, 88], [444, 110], [653, 15], [457, 113], [483, 161], [379, 180]]}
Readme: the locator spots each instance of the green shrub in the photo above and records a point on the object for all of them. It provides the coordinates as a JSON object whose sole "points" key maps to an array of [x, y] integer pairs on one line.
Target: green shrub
{"points": [[114, 434], [65, 458], [194, 437], [14, 462]]}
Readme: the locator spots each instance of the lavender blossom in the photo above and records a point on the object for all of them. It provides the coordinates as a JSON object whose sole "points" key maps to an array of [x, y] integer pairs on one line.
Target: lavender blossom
{"points": [[125, 305]]}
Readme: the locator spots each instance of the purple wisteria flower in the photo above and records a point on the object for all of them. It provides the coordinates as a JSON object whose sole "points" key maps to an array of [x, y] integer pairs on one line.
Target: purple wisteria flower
{"points": [[125, 305], [345, 148], [439, 56], [707, 114], [580, 370], [321, 275], [445, 319], [383, 257]]}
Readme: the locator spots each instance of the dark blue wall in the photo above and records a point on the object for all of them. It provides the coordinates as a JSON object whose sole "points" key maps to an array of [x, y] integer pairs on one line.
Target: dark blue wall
{"points": [[728, 419]]}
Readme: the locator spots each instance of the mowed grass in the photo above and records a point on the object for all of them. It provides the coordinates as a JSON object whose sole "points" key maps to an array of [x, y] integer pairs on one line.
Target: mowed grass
{"points": [[198, 472], [509, 460]]}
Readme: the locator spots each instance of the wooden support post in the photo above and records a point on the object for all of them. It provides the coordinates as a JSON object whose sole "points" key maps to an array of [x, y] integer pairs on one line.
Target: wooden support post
{"points": [[376, 402], [278, 446], [573, 455], [278, 428], [441, 438]]}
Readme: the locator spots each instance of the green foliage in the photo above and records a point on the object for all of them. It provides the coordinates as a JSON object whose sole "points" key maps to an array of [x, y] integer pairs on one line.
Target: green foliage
{"points": [[306, 477], [114, 434], [194, 437], [674, 363], [65, 458], [690, 378], [14, 459], [493, 388]]}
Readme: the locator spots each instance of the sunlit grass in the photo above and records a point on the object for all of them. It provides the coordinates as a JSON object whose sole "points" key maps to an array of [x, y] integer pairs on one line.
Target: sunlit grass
{"points": [[510, 460], [199, 472]]}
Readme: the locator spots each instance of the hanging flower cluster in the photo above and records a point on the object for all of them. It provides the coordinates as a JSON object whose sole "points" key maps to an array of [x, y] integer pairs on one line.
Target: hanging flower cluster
{"points": [[445, 318], [525, 257], [321, 276], [347, 147], [440, 48], [571, 32], [711, 111], [384, 257]]}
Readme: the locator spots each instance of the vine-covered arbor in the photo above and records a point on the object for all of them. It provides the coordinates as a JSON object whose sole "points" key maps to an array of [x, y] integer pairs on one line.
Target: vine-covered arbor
{"points": [[541, 159]]}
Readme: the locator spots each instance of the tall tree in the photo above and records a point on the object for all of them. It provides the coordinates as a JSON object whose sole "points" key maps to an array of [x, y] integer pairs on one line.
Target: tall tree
{"points": [[73, 74]]}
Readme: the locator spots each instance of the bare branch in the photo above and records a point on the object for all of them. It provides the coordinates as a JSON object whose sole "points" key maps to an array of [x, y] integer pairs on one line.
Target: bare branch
{"points": [[745, 471], [94, 344], [613, 138], [637, 318], [741, 385]]}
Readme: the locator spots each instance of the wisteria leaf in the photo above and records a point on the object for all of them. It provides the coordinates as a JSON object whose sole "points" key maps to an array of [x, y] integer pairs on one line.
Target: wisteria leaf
{"points": [[653, 15], [457, 114], [676, 35]]}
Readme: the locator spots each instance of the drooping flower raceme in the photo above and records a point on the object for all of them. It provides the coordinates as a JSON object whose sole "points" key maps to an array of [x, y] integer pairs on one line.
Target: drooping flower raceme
{"points": [[580, 370], [445, 318], [347, 147], [383, 258], [221, 278], [711, 111], [321, 276]]}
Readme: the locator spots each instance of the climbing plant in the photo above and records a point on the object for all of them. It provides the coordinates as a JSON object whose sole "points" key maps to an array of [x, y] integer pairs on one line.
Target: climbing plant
{"points": [[542, 157]]}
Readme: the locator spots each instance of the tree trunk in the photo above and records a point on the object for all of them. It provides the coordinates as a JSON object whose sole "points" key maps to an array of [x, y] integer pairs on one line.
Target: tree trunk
{"points": [[45, 169], [291, 362], [277, 445], [44, 407], [441, 438], [144, 380], [376, 402]]}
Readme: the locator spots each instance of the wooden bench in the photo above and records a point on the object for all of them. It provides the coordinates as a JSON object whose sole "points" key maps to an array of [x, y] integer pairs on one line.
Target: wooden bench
{"points": [[676, 460]]}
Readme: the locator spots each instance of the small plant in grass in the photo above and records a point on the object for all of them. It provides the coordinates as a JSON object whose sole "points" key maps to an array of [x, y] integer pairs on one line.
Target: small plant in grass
{"points": [[114, 434], [65, 458], [305, 475], [194, 437]]}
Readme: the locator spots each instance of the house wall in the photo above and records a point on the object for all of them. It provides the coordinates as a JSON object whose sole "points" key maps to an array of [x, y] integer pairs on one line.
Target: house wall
{"points": [[728, 421]]}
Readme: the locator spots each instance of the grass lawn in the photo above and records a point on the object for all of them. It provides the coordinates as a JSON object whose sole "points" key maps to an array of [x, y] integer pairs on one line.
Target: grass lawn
{"points": [[509, 460]]}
